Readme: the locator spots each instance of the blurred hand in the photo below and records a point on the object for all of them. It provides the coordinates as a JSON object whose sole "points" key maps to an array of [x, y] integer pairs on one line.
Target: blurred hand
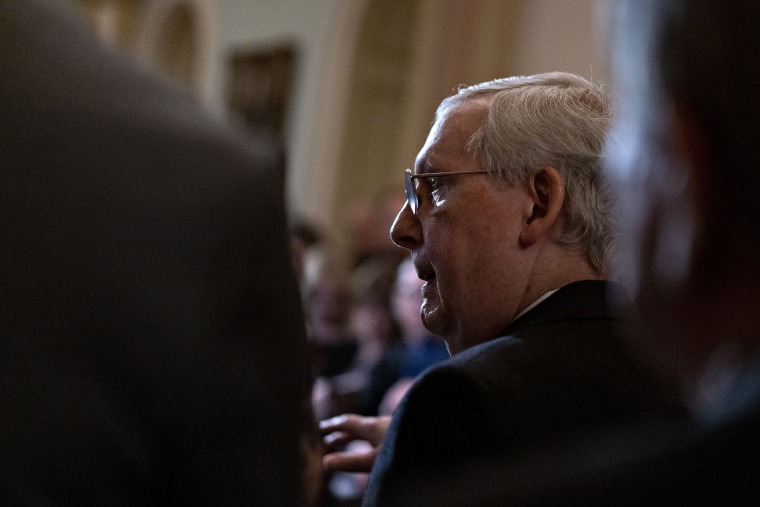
{"points": [[344, 429]]}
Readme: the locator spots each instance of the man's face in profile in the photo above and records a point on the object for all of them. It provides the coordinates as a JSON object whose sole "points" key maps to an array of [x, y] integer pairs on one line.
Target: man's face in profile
{"points": [[464, 238]]}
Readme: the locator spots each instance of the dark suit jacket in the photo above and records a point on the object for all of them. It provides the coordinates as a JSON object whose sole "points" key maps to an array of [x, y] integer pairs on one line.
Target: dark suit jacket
{"points": [[152, 348], [558, 369], [711, 459]]}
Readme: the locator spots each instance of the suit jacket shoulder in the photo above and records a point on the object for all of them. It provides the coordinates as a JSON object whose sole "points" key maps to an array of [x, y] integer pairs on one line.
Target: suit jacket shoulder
{"points": [[559, 369]]}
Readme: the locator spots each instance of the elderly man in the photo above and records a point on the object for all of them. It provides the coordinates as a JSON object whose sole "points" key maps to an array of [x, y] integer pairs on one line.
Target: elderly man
{"points": [[686, 166], [508, 222]]}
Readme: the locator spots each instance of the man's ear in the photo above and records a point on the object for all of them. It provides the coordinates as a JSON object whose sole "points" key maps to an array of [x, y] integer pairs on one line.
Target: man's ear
{"points": [[548, 192]]}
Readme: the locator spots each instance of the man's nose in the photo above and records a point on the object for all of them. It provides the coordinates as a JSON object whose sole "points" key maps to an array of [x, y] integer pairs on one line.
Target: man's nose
{"points": [[406, 230]]}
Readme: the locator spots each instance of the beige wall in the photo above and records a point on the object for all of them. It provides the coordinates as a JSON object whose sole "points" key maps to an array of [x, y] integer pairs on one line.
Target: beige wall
{"points": [[369, 73], [560, 35]]}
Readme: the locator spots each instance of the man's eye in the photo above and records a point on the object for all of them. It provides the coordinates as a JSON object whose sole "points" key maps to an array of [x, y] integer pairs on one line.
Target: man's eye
{"points": [[433, 183]]}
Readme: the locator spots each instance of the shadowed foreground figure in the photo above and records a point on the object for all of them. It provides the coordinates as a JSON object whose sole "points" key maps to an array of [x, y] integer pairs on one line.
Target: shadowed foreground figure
{"points": [[151, 340]]}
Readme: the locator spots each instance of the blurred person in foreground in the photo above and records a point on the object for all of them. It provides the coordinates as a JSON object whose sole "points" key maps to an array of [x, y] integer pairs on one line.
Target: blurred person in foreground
{"points": [[686, 165], [508, 222], [152, 347], [685, 161]]}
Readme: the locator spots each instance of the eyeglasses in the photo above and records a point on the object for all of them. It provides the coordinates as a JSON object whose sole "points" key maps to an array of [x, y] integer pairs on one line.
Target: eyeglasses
{"points": [[411, 192]]}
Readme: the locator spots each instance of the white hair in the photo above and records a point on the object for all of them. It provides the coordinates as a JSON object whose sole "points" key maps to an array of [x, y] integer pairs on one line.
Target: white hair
{"points": [[555, 120]]}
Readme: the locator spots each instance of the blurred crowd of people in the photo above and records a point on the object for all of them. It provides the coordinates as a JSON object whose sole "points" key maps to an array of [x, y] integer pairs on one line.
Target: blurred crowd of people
{"points": [[362, 309]]}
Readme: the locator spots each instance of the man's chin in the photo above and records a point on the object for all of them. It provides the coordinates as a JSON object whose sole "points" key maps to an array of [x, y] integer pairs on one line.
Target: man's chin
{"points": [[432, 319]]}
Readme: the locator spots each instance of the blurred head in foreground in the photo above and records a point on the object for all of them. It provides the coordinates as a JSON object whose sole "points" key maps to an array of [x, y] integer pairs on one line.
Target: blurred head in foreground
{"points": [[684, 157]]}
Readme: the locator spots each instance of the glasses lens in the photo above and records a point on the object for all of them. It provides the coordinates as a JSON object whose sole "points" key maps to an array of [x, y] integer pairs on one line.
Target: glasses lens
{"points": [[411, 194]]}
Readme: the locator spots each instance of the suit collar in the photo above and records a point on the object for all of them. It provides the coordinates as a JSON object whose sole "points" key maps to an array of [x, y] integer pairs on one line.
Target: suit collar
{"points": [[586, 299]]}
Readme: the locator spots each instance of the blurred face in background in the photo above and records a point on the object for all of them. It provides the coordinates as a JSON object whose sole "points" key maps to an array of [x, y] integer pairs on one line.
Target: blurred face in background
{"points": [[406, 301]]}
